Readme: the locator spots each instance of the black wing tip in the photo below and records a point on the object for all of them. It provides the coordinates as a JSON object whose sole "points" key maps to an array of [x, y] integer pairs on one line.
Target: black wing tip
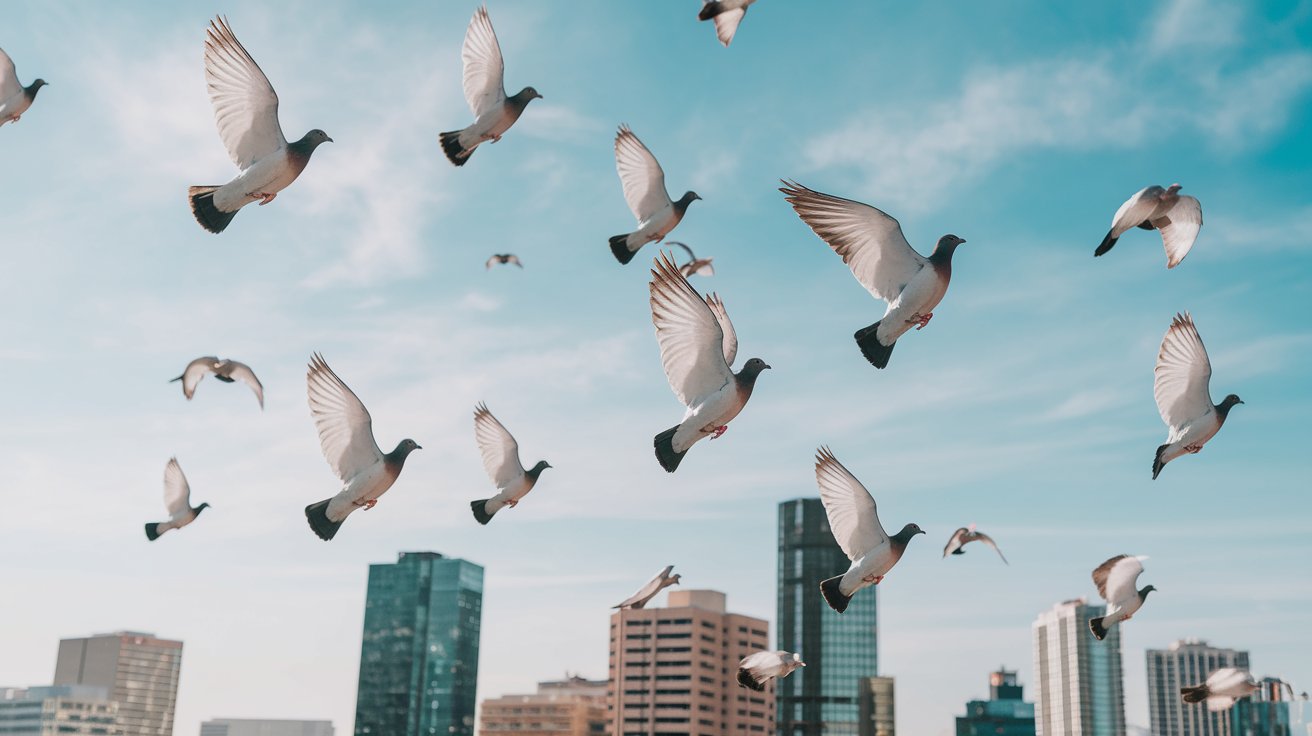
{"points": [[1105, 245], [874, 351], [456, 154], [152, 532], [665, 454], [204, 210], [620, 248], [479, 508], [746, 680], [1096, 628], [317, 515], [833, 596], [1157, 461]]}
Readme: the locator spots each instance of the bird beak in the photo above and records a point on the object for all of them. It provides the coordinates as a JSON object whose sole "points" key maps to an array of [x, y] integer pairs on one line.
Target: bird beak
{"points": [[418, 446], [330, 140], [922, 531], [1241, 401], [540, 97], [767, 365]]}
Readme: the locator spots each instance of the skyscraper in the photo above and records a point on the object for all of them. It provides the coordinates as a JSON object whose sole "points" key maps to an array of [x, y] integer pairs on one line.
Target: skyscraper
{"points": [[1005, 713], [1079, 677], [877, 707], [61, 710], [840, 650], [419, 649], [1187, 662], [139, 670]]}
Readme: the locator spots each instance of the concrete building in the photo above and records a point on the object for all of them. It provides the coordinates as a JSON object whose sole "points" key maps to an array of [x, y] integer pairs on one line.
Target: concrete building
{"points": [[139, 670], [1079, 678], [1187, 662], [876, 707], [76, 710], [265, 727], [1005, 713], [419, 649], [674, 670], [570, 707]]}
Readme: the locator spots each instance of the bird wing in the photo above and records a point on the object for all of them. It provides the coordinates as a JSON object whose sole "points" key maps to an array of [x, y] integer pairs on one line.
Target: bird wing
{"points": [[1135, 210], [726, 24], [346, 430], [515, 260], [851, 510], [649, 589], [1116, 578], [499, 449], [485, 70], [726, 325], [689, 334], [641, 175], [1229, 681], [986, 539], [955, 543], [762, 665], [243, 373], [177, 492], [195, 371], [491, 262], [685, 248], [1182, 375], [1179, 228], [870, 242], [9, 84], [245, 105]]}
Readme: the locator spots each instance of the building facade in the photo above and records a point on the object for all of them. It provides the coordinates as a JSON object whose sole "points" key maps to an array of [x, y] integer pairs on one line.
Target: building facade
{"points": [[1079, 678], [1005, 713], [265, 727], [1186, 663], [139, 670], [570, 707], [1271, 710], [876, 707], [75, 710], [419, 648]]}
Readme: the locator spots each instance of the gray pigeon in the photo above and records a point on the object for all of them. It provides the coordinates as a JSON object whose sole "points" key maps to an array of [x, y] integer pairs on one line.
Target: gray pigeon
{"points": [[177, 500], [755, 670], [643, 181], [661, 581], [224, 370], [14, 97], [503, 258], [1221, 689], [1177, 218], [1115, 580], [500, 454], [695, 266], [1181, 387], [966, 535]]}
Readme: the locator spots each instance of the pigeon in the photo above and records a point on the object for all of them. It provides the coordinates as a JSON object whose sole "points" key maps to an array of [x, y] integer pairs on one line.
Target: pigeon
{"points": [[649, 590], [485, 92], [14, 97], [755, 670], [177, 499], [695, 266], [698, 345], [855, 526], [1177, 218], [1222, 688], [1115, 580], [501, 461], [246, 110], [503, 258], [347, 435], [727, 14], [872, 244], [224, 370], [644, 189], [966, 535], [1180, 385]]}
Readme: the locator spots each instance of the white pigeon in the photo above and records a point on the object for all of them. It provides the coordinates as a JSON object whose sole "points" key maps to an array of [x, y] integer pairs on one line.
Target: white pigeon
{"points": [[872, 245], [501, 461], [644, 189], [1221, 689], [695, 266], [485, 91], [661, 581], [177, 500], [727, 14], [246, 110], [966, 535], [1180, 386], [347, 435], [14, 97], [1116, 579], [755, 670], [1152, 208], [698, 345], [503, 258], [855, 526], [224, 370]]}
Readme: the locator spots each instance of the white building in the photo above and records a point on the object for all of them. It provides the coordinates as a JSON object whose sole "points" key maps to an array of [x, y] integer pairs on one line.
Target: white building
{"points": [[1077, 677], [1185, 663]]}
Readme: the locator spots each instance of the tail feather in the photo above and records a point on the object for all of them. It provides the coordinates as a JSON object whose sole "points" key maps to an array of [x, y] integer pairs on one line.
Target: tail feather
{"points": [[665, 454], [619, 245], [1106, 244], [317, 514], [875, 351], [1158, 463], [746, 680], [479, 508], [1196, 694], [152, 532], [833, 596], [710, 10], [209, 216], [455, 152], [1095, 626]]}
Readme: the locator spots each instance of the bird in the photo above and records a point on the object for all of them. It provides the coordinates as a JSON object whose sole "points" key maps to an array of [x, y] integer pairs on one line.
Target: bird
{"points": [[755, 670], [501, 461], [1180, 386], [246, 110], [1177, 218], [177, 500], [1221, 689], [966, 535], [661, 581], [695, 266], [503, 258], [485, 91], [15, 99], [872, 245], [698, 345], [727, 15], [644, 189], [855, 525], [224, 370], [346, 434], [1115, 580]]}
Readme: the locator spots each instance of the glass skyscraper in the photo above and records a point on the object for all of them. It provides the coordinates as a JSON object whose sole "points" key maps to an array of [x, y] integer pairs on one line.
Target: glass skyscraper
{"points": [[419, 650], [840, 650], [1187, 662], [1078, 677]]}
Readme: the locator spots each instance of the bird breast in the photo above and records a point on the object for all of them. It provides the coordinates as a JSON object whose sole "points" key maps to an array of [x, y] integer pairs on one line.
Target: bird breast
{"points": [[271, 174]]}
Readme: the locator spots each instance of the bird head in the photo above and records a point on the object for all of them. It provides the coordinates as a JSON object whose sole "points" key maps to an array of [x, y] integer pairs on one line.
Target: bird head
{"points": [[1230, 401], [1144, 591], [528, 93], [314, 138], [797, 660], [688, 197], [949, 241], [909, 531], [36, 86], [406, 446], [752, 369], [675, 578], [537, 469], [200, 508]]}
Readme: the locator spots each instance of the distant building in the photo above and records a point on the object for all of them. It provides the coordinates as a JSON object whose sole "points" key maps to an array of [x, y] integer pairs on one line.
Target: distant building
{"points": [[875, 706], [1271, 710], [139, 670], [75, 710], [674, 670], [1005, 713], [1079, 678], [1187, 662], [419, 649], [265, 727], [570, 707]]}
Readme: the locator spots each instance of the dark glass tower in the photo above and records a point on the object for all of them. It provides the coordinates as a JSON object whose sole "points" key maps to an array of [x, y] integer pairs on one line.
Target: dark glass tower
{"points": [[840, 650], [419, 651]]}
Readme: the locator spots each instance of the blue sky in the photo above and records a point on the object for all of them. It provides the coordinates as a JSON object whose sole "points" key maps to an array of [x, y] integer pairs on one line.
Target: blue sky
{"points": [[1026, 406]]}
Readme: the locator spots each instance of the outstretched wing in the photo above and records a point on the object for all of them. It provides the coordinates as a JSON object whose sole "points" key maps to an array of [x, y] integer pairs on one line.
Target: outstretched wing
{"points": [[690, 336], [648, 590], [955, 541], [850, 507], [346, 430], [1182, 375], [484, 68], [177, 492], [194, 372], [641, 175], [245, 105], [1179, 228], [499, 449], [721, 316], [986, 539], [243, 373], [9, 84], [1115, 578]]}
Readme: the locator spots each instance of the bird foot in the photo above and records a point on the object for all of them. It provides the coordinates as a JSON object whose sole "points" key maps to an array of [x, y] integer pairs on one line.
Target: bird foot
{"points": [[873, 579], [1193, 449], [367, 504], [496, 139], [15, 118], [512, 503], [719, 431], [264, 197], [920, 320]]}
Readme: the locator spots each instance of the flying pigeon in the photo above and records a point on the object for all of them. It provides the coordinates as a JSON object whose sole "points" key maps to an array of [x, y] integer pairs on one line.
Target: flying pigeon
{"points": [[872, 244], [695, 266], [727, 14], [1180, 385], [855, 526], [966, 535], [1221, 689], [698, 345], [644, 190], [246, 110], [649, 590], [503, 258], [485, 92], [224, 370], [14, 97], [177, 500], [1115, 580], [347, 435], [1152, 208], [755, 670], [501, 461]]}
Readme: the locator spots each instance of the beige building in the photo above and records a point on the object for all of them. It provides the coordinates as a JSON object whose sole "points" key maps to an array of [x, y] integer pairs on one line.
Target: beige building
{"points": [[876, 705], [139, 670], [570, 707], [673, 670]]}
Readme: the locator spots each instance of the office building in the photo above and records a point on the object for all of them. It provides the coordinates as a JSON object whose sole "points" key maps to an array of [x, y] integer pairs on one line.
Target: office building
{"points": [[571, 707], [1272, 710], [76, 710], [139, 670], [1005, 713], [1078, 677], [264, 727], [1185, 663], [875, 706]]}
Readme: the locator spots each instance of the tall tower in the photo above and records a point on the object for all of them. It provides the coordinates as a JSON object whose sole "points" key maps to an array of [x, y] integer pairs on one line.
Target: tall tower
{"points": [[139, 670], [1078, 677], [1185, 663], [419, 650]]}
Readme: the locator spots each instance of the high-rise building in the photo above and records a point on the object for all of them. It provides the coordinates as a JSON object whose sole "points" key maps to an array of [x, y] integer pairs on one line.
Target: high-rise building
{"points": [[264, 727], [1079, 678], [419, 649], [139, 670], [570, 707], [840, 650], [1005, 713], [63, 710], [1184, 663], [876, 706], [1271, 710], [673, 670]]}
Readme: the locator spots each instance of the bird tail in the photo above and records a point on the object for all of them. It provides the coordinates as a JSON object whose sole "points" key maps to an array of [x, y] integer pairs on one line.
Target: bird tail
{"points": [[875, 351], [175, 380], [1196, 694], [710, 10], [1106, 244], [833, 596], [480, 510], [1095, 626], [209, 216], [457, 153], [152, 531], [317, 514], [619, 245], [1158, 463], [746, 680], [665, 454]]}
